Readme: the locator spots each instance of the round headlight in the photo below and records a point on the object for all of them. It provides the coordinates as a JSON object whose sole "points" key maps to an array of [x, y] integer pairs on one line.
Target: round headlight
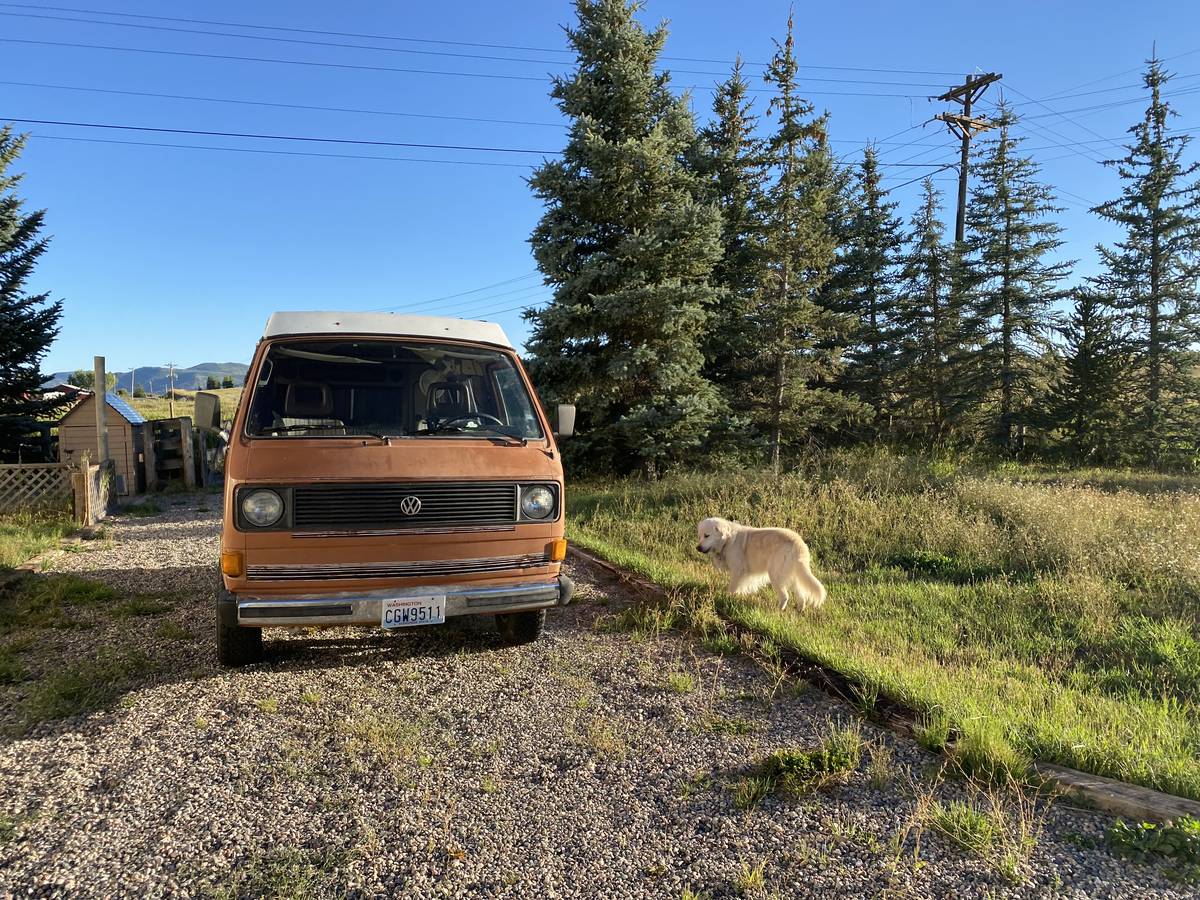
{"points": [[262, 508], [537, 502]]}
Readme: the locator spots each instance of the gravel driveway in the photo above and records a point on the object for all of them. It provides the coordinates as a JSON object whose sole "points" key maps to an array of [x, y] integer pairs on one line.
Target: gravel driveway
{"points": [[594, 763]]}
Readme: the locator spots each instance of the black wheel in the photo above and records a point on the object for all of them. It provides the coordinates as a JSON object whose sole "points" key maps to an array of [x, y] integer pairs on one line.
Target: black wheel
{"points": [[521, 627], [236, 646]]}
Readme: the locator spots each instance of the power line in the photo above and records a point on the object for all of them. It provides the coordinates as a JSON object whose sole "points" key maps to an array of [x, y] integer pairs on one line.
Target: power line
{"points": [[359, 67], [342, 45], [1121, 87], [268, 152], [525, 294], [340, 109], [496, 312], [1062, 115], [1115, 75], [921, 177], [462, 293], [1095, 156], [263, 59], [364, 111], [284, 40], [384, 37], [1112, 104], [280, 137]]}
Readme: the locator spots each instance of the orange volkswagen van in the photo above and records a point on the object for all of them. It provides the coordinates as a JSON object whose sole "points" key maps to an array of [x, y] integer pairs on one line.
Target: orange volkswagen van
{"points": [[387, 471]]}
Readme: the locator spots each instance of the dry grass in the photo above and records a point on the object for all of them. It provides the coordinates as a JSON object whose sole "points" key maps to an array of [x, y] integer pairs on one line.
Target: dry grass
{"points": [[185, 404]]}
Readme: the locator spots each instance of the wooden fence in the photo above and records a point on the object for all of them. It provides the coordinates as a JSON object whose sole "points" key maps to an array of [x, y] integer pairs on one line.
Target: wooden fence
{"points": [[95, 491], [85, 491], [35, 487]]}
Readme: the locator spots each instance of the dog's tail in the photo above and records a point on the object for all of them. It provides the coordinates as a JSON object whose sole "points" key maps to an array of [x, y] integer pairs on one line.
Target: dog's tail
{"points": [[808, 587]]}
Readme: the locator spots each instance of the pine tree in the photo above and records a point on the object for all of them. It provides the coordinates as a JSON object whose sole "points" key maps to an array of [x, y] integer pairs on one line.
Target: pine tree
{"points": [[28, 322], [864, 286], [729, 161], [1013, 284], [796, 352], [1151, 274], [629, 250], [1086, 403], [930, 323]]}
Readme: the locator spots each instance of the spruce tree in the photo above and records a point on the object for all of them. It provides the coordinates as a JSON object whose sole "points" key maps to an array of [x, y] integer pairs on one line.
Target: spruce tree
{"points": [[930, 324], [729, 161], [1013, 283], [28, 322], [629, 250], [864, 287], [1086, 404], [1151, 274], [796, 351]]}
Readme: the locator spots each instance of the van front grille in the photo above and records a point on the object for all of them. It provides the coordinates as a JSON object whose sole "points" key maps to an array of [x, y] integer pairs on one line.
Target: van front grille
{"points": [[410, 569], [403, 505]]}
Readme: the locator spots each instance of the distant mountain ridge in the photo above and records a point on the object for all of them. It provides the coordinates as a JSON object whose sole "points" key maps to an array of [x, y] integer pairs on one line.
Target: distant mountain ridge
{"points": [[155, 379]]}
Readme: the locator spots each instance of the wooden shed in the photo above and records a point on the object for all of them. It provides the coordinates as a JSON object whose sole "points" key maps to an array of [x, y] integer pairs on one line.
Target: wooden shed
{"points": [[77, 434]]}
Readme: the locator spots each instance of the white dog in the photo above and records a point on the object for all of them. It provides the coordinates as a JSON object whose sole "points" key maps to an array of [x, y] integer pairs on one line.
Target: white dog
{"points": [[755, 556]]}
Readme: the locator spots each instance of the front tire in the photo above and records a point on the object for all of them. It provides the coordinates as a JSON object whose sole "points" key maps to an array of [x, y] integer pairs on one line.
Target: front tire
{"points": [[521, 627], [236, 646]]}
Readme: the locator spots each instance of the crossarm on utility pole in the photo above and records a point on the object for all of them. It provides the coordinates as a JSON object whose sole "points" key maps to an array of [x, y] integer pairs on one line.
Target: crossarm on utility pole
{"points": [[964, 127]]}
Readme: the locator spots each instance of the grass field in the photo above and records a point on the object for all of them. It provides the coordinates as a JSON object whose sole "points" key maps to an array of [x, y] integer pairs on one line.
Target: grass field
{"points": [[1040, 614], [160, 408], [23, 536]]}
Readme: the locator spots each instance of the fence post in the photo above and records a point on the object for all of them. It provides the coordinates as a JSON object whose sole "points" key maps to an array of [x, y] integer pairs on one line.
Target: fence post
{"points": [[101, 395], [149, 457], [185, 450]]}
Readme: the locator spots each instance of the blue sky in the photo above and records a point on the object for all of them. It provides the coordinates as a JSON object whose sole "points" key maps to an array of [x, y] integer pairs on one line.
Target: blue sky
{"points": [[168, 254]]}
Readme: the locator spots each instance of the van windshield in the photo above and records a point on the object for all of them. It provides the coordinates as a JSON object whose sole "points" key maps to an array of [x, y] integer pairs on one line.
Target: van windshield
{"points": [[389, 388]]}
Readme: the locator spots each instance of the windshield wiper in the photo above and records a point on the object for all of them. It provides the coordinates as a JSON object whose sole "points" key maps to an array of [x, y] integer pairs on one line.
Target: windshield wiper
{"points": [[282, 429], [514, 439]]}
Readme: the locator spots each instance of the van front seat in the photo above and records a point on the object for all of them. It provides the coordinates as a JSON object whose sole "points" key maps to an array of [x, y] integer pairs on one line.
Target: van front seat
{"points": [[446, 401], [310, 405]]}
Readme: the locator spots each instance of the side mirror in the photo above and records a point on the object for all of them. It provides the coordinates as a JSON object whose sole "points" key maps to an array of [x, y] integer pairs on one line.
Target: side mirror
{"points": [[208, 411], [566, 420]]}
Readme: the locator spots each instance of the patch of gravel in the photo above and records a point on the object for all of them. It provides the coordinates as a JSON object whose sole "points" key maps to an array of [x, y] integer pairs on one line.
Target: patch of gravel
{"points": [[441, 764]]}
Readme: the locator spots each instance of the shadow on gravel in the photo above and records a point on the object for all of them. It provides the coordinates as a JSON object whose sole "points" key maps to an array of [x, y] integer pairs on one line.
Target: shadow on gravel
{"points": [[75, 644]]}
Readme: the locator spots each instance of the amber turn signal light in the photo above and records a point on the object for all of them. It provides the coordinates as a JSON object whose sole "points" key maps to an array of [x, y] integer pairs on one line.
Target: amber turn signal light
{"points": [[233, 563], [558, 550]]}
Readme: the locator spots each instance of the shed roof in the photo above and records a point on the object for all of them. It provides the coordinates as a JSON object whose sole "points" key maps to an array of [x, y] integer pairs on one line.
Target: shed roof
{"points": [[391, 324], [116, 403]]}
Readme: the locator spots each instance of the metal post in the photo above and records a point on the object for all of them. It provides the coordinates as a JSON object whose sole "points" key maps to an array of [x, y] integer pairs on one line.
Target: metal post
{"points": [[101, 408]]}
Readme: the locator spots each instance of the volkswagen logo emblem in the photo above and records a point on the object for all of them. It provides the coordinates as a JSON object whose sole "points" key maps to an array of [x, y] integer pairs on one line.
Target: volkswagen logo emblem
{"points": [[410, 505]]}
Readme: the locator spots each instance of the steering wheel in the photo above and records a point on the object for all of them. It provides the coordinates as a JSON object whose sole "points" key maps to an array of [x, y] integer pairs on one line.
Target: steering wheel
{"points": [[481, 417]]}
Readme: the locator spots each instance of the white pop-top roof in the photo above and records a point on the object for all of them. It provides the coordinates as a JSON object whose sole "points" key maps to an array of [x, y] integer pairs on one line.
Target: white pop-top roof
{"points": [[314, 323]]}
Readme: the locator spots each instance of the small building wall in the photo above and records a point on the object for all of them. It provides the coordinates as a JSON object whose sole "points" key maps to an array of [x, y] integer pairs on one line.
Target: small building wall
{"points": [[77, 433]]}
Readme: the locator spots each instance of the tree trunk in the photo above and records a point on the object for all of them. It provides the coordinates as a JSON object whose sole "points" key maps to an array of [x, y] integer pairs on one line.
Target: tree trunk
{"points": [[777, 411], [1154, 350], [1006, 362]]}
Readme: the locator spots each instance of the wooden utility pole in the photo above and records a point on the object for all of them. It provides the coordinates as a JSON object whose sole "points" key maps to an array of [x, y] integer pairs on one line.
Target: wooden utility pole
{"points": [[964, 127], [100, 394], [171, 391]]}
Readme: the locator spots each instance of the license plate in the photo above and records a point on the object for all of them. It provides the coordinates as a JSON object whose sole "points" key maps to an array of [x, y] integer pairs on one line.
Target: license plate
{"points": [[401, 612]]}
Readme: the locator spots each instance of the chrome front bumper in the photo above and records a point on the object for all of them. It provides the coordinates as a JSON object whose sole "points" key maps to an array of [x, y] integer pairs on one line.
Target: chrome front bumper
{"points": [[366, 607]]}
